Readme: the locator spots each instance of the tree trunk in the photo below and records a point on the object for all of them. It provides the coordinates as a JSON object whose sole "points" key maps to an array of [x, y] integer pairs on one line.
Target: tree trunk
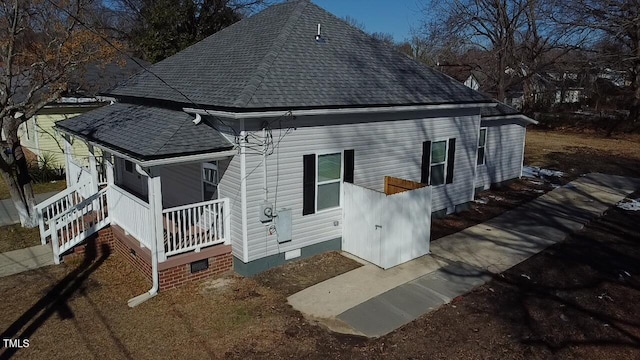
{"points": [[634, 110], [17, 177]]}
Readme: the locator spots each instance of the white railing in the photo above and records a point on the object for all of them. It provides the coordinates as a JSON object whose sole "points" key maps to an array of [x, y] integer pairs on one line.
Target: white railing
{"points": [[195, 226], [58, 204], [131, 214], [71, 227], [78, 174]]}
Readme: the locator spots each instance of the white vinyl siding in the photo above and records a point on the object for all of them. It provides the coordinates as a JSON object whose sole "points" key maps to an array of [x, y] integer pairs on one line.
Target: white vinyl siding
{"points": [[503, 152], [384, 148], [229, 187]]}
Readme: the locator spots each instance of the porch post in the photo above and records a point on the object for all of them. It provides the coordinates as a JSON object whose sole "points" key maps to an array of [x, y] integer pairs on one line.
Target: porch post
{"points": [[108, 158], [67, 157], [155, 211], [93, 169]]}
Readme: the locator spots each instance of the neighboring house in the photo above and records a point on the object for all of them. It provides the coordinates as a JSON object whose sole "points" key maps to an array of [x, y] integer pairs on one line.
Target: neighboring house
{"points": [[254, 151], [464, 74], [37, 134]]}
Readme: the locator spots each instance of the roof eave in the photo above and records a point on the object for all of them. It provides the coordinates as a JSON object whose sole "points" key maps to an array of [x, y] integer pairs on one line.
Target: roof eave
{"points": [[336, 111], [526, 119], [147, 162]]}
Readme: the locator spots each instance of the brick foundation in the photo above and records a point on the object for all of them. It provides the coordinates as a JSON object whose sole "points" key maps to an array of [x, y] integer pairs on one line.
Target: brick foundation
{"points": [[173, 273]]}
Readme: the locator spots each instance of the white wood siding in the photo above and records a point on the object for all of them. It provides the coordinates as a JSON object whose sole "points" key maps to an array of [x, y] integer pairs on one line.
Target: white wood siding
{"points": [[229, 187], [503, 159], [181, 184], [392, 148]]}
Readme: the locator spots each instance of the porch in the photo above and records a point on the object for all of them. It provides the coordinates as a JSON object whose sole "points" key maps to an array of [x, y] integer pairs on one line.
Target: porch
{"points": [[95, 199]]}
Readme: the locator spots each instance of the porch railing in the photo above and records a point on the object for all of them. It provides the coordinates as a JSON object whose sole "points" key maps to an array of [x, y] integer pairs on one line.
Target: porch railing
{"points": [[196, 226], [71, 227], [59, 204], [131, 214]]}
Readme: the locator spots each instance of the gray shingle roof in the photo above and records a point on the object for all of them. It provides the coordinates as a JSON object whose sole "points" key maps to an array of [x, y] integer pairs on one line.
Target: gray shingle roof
{"points": [[272, 60], [146, 132]]}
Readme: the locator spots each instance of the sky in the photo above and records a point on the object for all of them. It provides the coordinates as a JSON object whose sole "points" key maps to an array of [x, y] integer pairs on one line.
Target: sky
{"points": [[393, 17]]}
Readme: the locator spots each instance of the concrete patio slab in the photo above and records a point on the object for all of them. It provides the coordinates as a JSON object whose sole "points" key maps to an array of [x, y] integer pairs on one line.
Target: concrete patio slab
{"points": [[17, 261], [373, 302]]}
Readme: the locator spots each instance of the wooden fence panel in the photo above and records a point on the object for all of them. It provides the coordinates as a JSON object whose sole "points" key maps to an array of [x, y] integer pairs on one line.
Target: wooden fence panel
{"points": [[394, 185]]}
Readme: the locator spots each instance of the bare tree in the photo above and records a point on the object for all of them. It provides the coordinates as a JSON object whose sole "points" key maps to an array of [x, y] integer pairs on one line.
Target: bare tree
{"points": [[354, 22], [520, 36], [616, 22], [41, 43]]}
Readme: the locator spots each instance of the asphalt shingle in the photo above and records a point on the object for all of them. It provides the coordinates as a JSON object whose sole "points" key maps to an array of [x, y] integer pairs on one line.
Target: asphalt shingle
{"points": [[272, 60], [146, 132]]}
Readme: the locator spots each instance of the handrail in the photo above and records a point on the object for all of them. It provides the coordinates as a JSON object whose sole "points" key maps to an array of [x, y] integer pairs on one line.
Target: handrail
{"points": [[189, 206], [62, 194], [127, 193], [77, 206]]}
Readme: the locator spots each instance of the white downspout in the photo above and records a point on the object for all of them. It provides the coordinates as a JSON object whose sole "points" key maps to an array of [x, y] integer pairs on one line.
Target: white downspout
{"points": [[133, 302], [264, 165]]}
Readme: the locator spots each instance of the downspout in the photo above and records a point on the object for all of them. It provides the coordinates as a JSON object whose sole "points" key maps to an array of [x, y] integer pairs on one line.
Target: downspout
{"points": [[133, 302], [264, 165]]}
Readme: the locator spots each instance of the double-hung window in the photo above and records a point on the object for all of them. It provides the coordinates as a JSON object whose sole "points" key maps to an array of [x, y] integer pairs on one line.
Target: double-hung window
{"points": [[323, 175], [438, 161], [482, 143], [329, 178]]}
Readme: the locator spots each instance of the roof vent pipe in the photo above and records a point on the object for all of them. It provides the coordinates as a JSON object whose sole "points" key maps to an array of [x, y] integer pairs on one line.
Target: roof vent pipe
{"points": [[319, 36]]}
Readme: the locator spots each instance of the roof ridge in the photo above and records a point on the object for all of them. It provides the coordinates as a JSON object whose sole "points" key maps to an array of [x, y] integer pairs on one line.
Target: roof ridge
{"points": [[269, 59]]}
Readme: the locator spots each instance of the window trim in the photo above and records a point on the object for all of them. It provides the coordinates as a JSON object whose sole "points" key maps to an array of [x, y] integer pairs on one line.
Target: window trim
{"points": [[318, 183], [484, 147], [446, 161], [203, 167]]}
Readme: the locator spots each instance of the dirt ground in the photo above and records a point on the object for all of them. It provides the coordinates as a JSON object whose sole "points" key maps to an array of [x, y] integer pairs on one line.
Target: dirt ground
{"points": [[37, 188], [576, 300], [14, 237]]}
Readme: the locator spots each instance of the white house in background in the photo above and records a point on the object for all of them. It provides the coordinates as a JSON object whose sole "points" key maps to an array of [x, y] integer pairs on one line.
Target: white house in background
{"points": [[247, 151], [472, 82]]}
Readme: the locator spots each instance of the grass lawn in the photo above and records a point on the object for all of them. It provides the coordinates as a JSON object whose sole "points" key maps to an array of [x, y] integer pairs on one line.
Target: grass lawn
{"points": [[578, 299], [37, 188], [14, 237]]}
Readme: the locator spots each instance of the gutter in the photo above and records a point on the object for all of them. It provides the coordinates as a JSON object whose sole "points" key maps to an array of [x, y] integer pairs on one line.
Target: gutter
{"points": [[369, 110], [220, 155], [526, 119], [133, 302]]}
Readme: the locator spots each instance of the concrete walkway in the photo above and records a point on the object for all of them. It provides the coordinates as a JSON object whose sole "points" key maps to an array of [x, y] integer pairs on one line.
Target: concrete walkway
{"points": [[17, 261], [372, 302], [8, 212]]}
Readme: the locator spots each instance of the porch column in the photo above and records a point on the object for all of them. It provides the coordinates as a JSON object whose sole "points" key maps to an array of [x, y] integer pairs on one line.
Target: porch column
{"points": [[93, 169], [155, 211], [108, 158], [67, 157]]}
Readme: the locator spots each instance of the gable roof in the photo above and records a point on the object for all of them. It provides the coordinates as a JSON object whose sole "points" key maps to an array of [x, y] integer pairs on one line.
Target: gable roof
{"points": [[136, 131], [273, 61]]}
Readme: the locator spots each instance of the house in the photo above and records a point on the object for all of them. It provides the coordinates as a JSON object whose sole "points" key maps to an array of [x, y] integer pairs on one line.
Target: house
{"points": [[37, 134], [260, 144]]}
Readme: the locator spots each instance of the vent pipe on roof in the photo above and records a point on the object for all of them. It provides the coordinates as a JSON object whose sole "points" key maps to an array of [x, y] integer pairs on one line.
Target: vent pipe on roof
{"points": [[319, 35]]}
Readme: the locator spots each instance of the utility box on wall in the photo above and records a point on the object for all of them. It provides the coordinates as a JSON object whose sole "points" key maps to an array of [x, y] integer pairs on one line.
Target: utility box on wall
{"points": [[283, 225]]}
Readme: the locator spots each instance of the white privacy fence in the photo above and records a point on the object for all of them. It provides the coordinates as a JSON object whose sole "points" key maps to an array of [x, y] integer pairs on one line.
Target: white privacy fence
{"points": [[131, 214], [195, 226], [386, 230], [84, 219]]}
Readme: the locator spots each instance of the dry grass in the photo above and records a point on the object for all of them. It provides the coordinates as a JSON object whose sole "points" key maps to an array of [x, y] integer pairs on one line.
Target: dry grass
{"points": [[15, 237], [40, 188], [583, 152]]}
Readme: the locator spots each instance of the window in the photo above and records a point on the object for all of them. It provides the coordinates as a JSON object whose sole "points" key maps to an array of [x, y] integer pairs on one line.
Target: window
{"points": [[482, 142], [210, 180], [438, 162], [128, 166], [328, 181]]}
